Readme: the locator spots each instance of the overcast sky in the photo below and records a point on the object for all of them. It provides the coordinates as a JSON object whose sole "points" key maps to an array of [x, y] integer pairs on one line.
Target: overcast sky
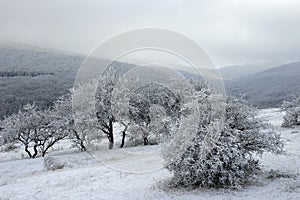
{"points": [[232, 31]]}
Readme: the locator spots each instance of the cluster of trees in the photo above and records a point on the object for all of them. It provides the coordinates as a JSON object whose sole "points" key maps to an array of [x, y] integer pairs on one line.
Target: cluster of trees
{"points": [[145, 111], [38, 130], [149, 111], [206, 147], [292, 112], [210, 142]]}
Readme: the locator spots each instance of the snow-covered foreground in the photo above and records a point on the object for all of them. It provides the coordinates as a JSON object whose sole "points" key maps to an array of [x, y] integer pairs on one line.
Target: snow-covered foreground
{"points": [[86, 177]]}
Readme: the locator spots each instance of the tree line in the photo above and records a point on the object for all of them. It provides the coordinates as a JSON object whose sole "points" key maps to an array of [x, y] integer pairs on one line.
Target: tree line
{"points": [[23, 73]]}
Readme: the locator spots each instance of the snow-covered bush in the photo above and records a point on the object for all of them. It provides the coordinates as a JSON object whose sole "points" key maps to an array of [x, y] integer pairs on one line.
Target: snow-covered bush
{"points": [[51, 163], [292, 112], [10, 146], [229, 162]]}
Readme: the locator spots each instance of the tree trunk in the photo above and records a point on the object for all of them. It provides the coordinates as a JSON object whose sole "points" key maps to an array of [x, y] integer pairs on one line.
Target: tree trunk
{"points": [[27, 151], [123, 134], [48, 147], [111, 135], [82, 146], [80, 140], [111, 145], [123, 139], [145, 141], [35, 151]]}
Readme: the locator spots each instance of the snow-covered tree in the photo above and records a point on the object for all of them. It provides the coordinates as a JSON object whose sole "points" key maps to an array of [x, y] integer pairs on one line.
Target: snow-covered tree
{"points": [[292, 112], [24, 127], [121, 95], [106, 84], [182, 88], [155, 98], [54, 129], [86, 127], [8, 124], [137, 132], [160, 123], [36, 130], [61, 116], [4, 134], [227, 161]]}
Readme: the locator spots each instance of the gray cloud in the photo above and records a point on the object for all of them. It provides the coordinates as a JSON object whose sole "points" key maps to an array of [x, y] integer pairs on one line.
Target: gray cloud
{"points": [[232, 31]]}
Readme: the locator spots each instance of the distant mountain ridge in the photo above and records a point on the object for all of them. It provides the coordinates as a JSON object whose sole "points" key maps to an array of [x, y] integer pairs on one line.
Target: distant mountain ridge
{"points": [[268, 88], [233, 72]]}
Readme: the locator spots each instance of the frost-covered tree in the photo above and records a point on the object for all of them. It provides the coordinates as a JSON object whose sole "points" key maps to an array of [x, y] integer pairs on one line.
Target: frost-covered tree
{"points": [[54, 129], [106, 118], [227, 161], [138, 131], [4, 136], [182, 88], [25, 127], [292, 112], [149, 97], [37, 130], [86, 127], [121, 95], [8, 125], [160, 123]]}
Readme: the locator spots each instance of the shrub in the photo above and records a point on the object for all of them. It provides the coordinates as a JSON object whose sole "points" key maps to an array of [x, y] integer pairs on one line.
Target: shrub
{"points": [[229, 162], [53, 164], [292, 112]]}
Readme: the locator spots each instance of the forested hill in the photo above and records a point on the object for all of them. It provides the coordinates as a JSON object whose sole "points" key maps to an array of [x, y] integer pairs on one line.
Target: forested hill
{"points": [[29, 74]]}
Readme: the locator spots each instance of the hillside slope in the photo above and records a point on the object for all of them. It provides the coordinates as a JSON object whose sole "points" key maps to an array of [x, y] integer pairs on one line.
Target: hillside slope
{"points": [[32, 74], [268, 88]]}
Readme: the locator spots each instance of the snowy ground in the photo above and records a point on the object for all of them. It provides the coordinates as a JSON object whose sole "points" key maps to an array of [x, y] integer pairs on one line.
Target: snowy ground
{"points": [[86, 177]]}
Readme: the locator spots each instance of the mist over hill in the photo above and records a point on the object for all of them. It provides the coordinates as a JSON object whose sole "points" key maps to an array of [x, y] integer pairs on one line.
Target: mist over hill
{"points": [[30, 74], [268, 88], [234, 72]]}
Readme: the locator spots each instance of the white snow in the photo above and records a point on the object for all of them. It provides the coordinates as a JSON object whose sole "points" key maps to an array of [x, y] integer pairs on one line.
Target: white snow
{"points": [[86, 176]]}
